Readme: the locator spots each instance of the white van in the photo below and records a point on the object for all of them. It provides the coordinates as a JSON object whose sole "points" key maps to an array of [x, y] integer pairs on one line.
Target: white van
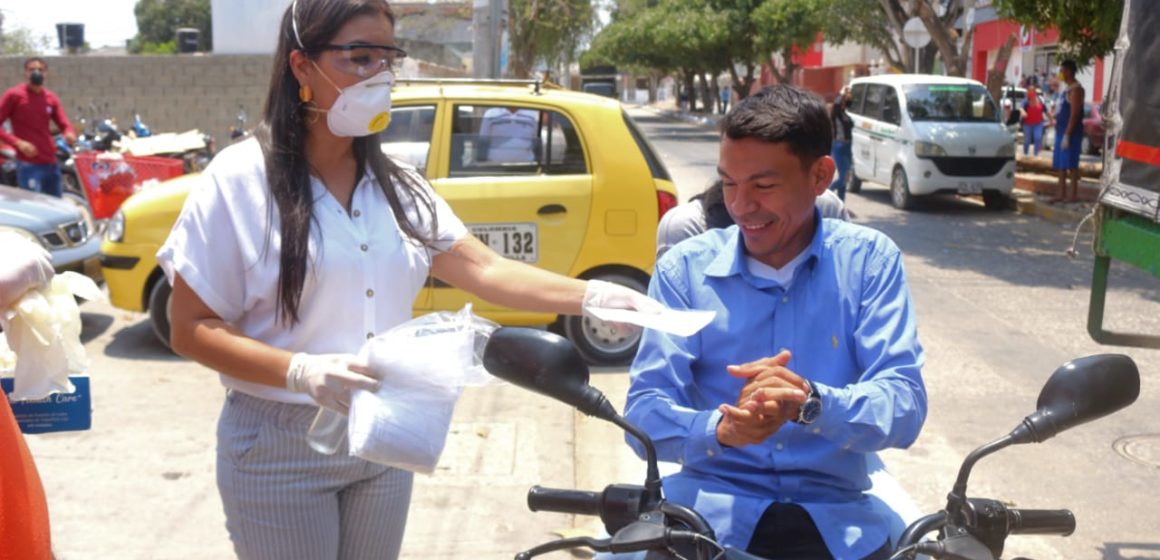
{"points": [[924, 134]]}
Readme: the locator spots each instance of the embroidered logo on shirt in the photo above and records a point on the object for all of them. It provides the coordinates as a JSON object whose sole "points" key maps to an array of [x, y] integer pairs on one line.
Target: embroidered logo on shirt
{"points": [[834, 340]]}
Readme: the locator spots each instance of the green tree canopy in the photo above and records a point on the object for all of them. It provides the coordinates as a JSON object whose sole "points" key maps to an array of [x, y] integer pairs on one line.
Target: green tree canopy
{"points": [[158, 21], [546, 30], [1087, 28]]}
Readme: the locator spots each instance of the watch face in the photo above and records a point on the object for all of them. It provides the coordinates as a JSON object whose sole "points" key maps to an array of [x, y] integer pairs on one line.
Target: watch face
{"points": [[811, 409]]}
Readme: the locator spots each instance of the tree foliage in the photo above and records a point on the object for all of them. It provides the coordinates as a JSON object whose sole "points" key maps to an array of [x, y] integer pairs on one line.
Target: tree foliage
{"points": [[158, 21], [21, 41], [1087, 28], [549, 31], [783, 26]]}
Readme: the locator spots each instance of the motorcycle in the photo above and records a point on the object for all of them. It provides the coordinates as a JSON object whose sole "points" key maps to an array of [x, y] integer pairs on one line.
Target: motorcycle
{"points": [[641, 520]]}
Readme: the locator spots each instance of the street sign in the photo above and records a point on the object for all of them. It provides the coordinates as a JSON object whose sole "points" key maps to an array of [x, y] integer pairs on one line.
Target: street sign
{"points": [[915, 33]]}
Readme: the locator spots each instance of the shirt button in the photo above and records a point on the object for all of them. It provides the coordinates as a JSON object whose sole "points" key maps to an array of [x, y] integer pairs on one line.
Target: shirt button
{"points": [[363, 247], [357, 213], [370, 335], [370, 293], [785, 299], [709, 452], [780, 447], [817, 430]]}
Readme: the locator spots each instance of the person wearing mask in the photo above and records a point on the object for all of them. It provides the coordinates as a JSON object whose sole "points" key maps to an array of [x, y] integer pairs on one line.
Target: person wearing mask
{"points": [[29, 108], [24, 526], [1068, 133], [843, 147], [1034, 115], [811, 363], [297, 246]]}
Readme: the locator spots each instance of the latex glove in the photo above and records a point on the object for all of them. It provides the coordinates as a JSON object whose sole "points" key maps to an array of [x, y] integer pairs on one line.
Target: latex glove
{"points": [[601, 294], [329, 378], [1064, 144], [25, 266]]}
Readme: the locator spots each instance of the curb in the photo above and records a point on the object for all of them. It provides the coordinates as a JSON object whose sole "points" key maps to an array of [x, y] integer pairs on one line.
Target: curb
{"points": [[1028, 204]]}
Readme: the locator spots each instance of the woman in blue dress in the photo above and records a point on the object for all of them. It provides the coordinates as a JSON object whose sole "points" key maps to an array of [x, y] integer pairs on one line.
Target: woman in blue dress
{"points": [[1068, 133]]}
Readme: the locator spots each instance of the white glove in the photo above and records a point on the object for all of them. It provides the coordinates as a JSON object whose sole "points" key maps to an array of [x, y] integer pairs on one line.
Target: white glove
{"points": [[1064, 144], [601, 294], [25, 266], [329, 378]]}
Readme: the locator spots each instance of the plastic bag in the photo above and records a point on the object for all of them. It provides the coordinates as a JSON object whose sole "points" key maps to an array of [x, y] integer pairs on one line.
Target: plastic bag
{"points": [[44, 330], [424, 365]]}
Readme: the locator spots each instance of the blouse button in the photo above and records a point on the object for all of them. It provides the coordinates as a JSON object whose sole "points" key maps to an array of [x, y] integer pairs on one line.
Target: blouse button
{"points": [[370, 293], [357, 213], [363, 247], [370, 335]]}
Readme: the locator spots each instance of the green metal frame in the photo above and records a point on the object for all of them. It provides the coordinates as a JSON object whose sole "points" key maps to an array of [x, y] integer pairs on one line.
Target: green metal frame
{"points": [[1133, 240]]}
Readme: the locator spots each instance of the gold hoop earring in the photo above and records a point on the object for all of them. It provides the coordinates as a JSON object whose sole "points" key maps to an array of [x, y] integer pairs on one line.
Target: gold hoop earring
{"points": [[305, 94]]}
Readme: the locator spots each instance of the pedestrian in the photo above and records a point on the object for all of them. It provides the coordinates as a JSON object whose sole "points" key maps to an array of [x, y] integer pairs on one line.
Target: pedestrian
{"points": [[1068, 133], [843, 147], [726, 94], [811, 363], [297, 246], [29, 108], [24, 526], [1034, 115]]}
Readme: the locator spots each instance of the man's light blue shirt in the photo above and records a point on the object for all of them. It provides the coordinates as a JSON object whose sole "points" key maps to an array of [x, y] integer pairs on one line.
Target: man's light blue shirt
{"points": [[849, 322]]}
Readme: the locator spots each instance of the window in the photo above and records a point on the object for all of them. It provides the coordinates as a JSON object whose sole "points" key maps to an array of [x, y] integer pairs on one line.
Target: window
{"points": [[891, 111], [497, 140], [875, 96], [950, 102], [408, 138], [857, 95]]}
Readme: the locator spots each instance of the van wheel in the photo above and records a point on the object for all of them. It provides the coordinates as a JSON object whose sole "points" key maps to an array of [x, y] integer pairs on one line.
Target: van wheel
{"points": [[600, 343], [159, 300], [900, 190], [854, 184], [995, 200]]}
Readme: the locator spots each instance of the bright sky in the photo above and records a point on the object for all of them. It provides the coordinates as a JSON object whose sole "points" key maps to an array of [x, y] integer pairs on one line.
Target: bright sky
{"points": [[107, 22]]}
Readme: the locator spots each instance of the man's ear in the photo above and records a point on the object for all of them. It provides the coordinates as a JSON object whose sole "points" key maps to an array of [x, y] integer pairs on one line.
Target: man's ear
{"points": [[822, 174]]}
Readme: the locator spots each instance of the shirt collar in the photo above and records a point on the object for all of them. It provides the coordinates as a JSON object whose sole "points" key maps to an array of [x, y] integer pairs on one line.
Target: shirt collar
{"points": [[730, 261]]}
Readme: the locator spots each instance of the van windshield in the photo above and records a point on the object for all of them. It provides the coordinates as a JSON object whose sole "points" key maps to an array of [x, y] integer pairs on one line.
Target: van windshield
{"points": [[950, 102]]}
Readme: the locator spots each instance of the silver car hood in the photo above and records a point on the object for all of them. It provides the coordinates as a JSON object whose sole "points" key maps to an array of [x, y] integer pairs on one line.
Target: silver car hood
{"points": [[34, 212]]}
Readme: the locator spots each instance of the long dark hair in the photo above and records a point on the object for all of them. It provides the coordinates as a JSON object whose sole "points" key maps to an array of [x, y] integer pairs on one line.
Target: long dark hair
{"points": [[282, 136]]}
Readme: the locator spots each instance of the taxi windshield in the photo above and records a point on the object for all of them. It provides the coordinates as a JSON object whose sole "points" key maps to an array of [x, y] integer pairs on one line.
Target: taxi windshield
{"points": [[950, 102]]}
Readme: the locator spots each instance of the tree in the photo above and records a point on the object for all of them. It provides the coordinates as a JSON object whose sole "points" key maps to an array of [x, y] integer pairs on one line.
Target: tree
{"points": [[1088, 29], [546, 30], [783, 27], [158, 21], [23, 42], [879, 24]]}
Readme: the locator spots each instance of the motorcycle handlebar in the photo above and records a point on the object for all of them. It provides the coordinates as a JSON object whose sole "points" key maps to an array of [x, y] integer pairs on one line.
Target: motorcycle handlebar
{"points": [[564, 501], [1041, 521]]}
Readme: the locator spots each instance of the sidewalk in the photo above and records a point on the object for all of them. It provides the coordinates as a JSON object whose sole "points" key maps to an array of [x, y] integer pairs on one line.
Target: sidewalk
{"points": [[1035, 181]]}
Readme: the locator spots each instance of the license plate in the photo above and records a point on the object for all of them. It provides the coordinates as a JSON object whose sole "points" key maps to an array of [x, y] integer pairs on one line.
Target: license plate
{"points": [[515, 241], [975, 187]]}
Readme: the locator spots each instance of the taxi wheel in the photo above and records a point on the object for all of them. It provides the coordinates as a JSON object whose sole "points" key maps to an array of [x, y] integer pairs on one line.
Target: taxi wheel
{"points": [[900, 190], [159, 299], [854, 184], [601, 343]]}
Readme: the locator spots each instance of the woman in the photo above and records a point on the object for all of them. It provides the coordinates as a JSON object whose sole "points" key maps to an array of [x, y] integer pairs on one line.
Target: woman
{"points": [[1068, 133], [297, 246], [842, 149], [1033, 113]]}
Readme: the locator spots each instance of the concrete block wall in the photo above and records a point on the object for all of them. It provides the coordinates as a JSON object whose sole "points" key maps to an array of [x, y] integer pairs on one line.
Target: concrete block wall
{"points": [[172, 93]]}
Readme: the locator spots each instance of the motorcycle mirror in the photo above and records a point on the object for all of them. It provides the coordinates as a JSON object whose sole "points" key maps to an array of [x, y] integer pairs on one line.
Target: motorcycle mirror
{"points": [[545, 363], [1080, 391]]}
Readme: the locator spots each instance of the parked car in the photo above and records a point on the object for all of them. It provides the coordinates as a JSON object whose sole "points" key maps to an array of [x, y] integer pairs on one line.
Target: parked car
{"points": [[581, 195], [1093, 131], [924, 134], [56, 225]]}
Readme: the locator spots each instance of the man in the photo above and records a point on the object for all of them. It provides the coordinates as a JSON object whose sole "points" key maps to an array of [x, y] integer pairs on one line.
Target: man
{"points": [[812, 360], [1068, 133], [24, 527], [509, 135], [29, 107]]}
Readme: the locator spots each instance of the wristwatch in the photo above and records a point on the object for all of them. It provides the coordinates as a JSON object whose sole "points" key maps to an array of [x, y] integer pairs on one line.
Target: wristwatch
{"points": [[812, 408]]}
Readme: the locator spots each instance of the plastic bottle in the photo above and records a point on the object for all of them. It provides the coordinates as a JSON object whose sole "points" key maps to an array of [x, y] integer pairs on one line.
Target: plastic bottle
{"points": [[327, 432]]}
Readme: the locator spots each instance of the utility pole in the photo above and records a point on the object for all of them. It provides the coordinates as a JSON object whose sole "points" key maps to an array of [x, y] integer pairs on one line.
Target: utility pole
{"points": [[487, 22]]}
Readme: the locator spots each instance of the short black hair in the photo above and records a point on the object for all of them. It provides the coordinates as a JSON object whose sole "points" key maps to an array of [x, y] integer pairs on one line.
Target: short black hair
{"points": [[32, 59], [781, 113], [1069, 64]]}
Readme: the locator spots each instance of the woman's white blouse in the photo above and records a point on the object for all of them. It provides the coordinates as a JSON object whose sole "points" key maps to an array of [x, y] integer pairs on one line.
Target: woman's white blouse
{"points": [[362, 274]]}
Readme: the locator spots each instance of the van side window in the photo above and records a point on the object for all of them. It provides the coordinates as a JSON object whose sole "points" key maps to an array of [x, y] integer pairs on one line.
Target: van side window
{"points": [[872, 108], [891, 111], [857, 95]]}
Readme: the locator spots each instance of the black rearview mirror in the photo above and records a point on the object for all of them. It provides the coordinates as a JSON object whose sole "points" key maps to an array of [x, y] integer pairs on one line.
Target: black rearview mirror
{"points": [[1080, 391]]}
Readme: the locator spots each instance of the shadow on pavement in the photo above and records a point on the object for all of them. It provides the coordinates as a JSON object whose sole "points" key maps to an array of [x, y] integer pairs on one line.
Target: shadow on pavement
{"points": [[959, 234], [1126, 551], [94, 325], [137, 342]]}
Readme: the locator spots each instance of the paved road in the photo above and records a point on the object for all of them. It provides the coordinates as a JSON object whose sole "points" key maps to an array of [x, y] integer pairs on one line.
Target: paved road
{"points": [[999, 308]]}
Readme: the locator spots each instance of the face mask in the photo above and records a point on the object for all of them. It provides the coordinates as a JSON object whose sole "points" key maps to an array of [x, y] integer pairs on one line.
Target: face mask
{"points": [[361, 109], [36, 78]]}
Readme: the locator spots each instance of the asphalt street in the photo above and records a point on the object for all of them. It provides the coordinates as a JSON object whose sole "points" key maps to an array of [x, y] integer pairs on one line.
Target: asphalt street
{"points": [[999, 304]]}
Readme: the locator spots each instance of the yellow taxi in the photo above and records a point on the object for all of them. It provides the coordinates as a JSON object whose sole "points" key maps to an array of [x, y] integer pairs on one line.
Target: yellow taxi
{"points": [[559, 179]]}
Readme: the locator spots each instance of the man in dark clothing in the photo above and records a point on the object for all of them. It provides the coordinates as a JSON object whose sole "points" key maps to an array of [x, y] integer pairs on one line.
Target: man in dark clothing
{"points": [[28, 108]]}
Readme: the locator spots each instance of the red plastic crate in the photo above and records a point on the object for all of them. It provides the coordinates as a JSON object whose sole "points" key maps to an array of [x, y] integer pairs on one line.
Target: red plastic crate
{"points": [[110, 178]]}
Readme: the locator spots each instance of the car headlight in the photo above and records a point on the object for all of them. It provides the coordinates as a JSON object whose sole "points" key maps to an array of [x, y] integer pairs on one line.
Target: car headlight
{"points": [[1006, 151], [25, 234], [928, 149], [115, 228]]}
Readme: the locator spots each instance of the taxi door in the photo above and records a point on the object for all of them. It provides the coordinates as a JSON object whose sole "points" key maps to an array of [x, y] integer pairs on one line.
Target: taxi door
{"points": [[518, 177]]}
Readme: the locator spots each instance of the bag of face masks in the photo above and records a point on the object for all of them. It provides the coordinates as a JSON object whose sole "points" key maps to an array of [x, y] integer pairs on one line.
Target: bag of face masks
{"points": [[424, 364]]}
